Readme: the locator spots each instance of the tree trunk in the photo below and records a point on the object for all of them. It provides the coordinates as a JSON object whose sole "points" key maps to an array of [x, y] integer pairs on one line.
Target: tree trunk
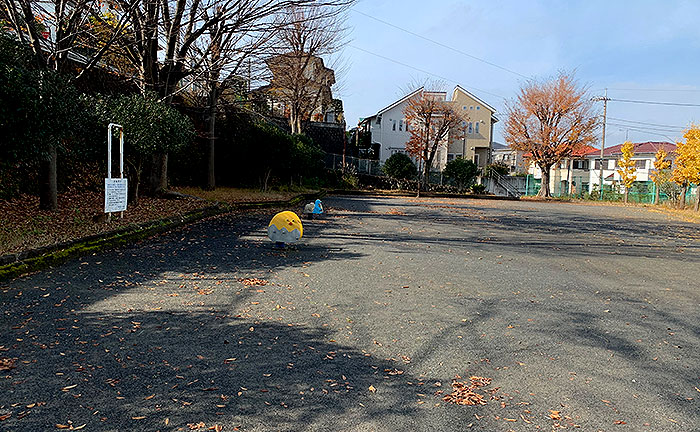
{"points": [[657, 194], [544, 188], [159, 174], [626, 194], [134, 182], [684, 188], [697, 198], [48, 189], [211, 174]]}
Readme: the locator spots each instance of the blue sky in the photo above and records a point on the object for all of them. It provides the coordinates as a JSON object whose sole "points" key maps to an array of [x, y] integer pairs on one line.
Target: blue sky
{"points": [[649, 51]]}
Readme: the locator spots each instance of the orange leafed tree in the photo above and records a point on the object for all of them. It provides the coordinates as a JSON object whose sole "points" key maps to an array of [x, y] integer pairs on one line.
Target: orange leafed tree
{"points": [[687, 168], [550, 120], [430, 119], [627, 171]]}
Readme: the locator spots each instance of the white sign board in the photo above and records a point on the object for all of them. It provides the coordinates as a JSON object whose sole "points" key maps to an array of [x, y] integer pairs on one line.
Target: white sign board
{"points": [[115, 194]]}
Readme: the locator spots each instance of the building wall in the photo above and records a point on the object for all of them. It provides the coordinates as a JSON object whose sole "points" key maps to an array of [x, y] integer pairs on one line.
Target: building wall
{"points": [[391, 132], [610, 168], [472, 142], [561, 174], [514, 159]]}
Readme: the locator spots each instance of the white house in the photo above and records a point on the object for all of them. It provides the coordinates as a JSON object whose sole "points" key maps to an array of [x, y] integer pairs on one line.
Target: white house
{"points": [[644, 156], [389, 129], [505, 155]]}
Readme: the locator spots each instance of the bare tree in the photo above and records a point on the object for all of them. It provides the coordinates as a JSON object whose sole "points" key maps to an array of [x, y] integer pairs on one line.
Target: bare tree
{"points": [[231, 54], [550, 120], [171, 40], [300, 78]]}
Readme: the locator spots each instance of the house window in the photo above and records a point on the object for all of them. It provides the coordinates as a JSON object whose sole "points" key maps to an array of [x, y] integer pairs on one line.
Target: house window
{"points": [[471, 129], [597, 164], [379, 120], [464, 107], [478, 107], [406, 125], [476, 159], [581, 164], [471, 107], [450, 156], [640, 164], [476, 127], [393, 125], [400, 125]]}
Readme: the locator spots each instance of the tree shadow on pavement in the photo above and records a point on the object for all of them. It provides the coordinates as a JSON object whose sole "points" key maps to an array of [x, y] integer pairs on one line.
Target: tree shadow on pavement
{"points": [[163, 371]]}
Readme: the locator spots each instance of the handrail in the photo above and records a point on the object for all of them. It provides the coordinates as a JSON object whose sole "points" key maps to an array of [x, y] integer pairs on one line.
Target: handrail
{"points": [[510, 190]]}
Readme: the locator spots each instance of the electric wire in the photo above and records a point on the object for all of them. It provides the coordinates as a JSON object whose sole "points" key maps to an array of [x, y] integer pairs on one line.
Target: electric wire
{"points": [[425, 71], [442, 45], [654, 102], [654, 90], [627, 126], [647, 123]]}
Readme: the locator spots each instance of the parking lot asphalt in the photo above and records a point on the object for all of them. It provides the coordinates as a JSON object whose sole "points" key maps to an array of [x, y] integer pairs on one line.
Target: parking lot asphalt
{"points": [[581, 316]]}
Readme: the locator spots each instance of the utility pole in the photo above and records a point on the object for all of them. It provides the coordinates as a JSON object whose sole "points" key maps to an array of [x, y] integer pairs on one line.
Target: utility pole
{"points": [[605, 100]]}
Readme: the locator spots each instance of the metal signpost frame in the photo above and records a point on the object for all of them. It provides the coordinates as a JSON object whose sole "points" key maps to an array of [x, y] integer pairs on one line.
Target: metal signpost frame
{"points": [[109, 157]]}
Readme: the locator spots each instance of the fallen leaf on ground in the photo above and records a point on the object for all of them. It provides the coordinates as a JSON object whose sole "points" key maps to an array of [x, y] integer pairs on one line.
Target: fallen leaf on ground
{"points": [[7, 363], [465, 394], [253, 281]]}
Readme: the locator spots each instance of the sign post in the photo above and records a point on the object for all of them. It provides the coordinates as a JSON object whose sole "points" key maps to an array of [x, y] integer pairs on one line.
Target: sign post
{"points": [[116, 189]]}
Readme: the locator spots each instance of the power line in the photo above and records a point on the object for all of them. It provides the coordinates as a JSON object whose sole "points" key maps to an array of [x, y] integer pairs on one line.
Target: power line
{"points": [[654, 90], [646, 128], [655, 103], [647, 123], [424, 71], [651, 133], [442, 45]]}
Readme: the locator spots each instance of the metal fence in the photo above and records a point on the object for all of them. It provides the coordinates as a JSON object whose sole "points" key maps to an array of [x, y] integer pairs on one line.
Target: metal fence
{"points": [[641, 192], [361, 166]]}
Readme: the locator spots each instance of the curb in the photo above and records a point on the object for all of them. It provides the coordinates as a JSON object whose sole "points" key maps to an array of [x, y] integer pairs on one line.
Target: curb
{"points": [[18, 264], [365, 192]]}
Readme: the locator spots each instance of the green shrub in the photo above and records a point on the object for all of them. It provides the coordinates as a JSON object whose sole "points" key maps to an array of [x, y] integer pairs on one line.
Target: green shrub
{"points": [[400, 166], [478, 189], [38, 110], [462, 172]]}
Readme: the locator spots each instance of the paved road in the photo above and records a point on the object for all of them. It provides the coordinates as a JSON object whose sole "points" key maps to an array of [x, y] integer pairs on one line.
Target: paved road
{"points": [[580, 315]]}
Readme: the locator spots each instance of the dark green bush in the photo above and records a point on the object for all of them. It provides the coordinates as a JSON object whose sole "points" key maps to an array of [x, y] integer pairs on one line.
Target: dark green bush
{"points": [[461, 172], [478, 189], [400, 166], [39, 109]]}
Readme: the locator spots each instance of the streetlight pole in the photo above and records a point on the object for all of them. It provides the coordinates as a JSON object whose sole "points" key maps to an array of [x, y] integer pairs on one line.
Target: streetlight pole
{"points": [[605, 100]]}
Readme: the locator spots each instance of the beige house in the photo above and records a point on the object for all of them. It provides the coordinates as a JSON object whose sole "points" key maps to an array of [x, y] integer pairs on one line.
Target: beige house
{"points": [[389, 129], [303, 82], [475, 143]]}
